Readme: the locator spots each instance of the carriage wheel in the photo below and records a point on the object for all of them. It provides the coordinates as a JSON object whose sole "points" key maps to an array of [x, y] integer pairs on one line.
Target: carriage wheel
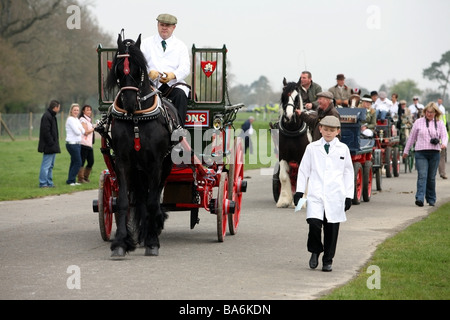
{"points": [[235, 185], [105, 204], [378, 177], [358, 183], [396, 162], [388, 162], [276, 185], [367, 181], [221, 207]]}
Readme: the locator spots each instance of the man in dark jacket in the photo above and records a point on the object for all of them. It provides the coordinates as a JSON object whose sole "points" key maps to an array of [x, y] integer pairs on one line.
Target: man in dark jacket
{"points": [[326, 108], [48, 144], [247, 131], [309, 90]]}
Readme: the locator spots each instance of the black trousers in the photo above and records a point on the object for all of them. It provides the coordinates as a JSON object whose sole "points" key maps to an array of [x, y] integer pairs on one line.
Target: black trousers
{"points": [[87, 154], [179, 100], [330, 236]]}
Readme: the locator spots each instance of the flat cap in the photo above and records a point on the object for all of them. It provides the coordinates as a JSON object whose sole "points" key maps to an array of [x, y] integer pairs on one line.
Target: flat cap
{"points": [[330, 121], [325, 94], [167, 18], [367, 98]]}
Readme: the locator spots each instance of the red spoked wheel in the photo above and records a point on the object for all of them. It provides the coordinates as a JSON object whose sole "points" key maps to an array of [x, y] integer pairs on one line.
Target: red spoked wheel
{"points": [[105, 205], [367, 180], [236, 185], [357, 167], [222, 207]]}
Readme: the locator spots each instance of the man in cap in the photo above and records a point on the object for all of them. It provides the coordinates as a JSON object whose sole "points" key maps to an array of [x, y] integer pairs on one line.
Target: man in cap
{"points": [[168, 63], [416, 108], [341, 91], [325, 108], [371, 120], [326, 171]]}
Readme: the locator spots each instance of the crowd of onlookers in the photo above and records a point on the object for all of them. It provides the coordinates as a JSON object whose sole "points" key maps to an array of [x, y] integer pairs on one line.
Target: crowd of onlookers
{"points": [[79, 139]]}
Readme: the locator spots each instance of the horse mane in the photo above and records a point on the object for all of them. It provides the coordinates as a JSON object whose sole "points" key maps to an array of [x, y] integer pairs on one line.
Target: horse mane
{"points": [[136, 57]]}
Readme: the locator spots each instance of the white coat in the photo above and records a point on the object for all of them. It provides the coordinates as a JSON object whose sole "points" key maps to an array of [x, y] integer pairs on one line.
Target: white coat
{"points": [[330, 178], [175, 59]]}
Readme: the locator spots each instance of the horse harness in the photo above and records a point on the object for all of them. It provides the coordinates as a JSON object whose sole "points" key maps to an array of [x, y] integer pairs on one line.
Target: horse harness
{"points": [[285, 131], [159, 108]]}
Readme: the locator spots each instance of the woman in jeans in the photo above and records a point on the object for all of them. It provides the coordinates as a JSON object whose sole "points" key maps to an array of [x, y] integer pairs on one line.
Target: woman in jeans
{"points": [[430, 136], [74, 132]]}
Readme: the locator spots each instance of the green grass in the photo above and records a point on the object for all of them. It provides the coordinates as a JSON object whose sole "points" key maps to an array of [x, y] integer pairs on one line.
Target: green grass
{"points": [[20, 163], [413, 265]]}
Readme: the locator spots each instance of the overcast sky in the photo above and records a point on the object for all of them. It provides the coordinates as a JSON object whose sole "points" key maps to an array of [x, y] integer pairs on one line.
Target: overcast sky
{"points": [[370, 41]]}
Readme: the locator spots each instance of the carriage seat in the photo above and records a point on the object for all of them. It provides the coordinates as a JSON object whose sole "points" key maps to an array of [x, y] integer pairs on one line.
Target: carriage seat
{"points": [[367, 143]]}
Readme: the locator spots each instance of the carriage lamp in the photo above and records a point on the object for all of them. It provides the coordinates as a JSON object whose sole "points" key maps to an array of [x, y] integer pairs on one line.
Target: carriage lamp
{"points": [[218, 122]]}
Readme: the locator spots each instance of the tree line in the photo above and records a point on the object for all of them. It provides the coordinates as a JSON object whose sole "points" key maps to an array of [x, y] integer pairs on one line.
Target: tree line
{"points": [[48, 51]]}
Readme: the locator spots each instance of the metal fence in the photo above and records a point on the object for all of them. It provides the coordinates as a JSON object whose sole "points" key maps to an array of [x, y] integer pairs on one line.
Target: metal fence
{"points": [[22, 126]]}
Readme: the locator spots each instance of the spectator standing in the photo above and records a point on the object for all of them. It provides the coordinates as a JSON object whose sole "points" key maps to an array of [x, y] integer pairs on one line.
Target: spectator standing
{"points": [[429, 136], [247, 131], [87, 152], [74, 132], [48, 144]]}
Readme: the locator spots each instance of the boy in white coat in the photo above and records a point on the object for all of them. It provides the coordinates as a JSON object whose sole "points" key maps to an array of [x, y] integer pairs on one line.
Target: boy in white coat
{"points": [[328, 169]]}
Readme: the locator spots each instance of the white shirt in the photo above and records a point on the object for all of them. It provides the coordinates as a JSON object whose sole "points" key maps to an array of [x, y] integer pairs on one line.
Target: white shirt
{"points": [[74, 130], [175, 59], [383, 105], [413, 108], [394, 108]]}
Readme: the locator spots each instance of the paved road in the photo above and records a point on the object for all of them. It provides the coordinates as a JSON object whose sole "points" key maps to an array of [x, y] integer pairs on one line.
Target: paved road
{"points": [[42, 239]]}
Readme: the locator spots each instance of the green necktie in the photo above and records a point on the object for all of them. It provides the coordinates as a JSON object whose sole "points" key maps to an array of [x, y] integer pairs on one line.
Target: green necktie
{"points": [[327, 147], [164, 44]]}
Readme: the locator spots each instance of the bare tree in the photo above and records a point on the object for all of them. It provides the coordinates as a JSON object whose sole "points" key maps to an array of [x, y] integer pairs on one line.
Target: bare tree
{"points": [[440, 72], [58, 61]]}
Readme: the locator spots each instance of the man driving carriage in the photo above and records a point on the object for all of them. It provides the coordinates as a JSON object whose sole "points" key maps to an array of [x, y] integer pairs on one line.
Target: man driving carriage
{"points": [[168, 63]]}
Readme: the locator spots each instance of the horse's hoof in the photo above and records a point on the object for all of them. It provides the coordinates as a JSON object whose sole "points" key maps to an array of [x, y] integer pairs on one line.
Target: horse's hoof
{"points": [[151, 251], [282, 205], [118, 253]]}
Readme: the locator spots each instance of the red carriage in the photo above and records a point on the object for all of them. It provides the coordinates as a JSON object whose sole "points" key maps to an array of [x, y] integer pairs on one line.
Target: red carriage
{"points": [[209, 171]]}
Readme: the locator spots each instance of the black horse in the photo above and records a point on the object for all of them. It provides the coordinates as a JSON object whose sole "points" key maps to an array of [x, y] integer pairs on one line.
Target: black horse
{"points": [[293, 140], [141, 140]]}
